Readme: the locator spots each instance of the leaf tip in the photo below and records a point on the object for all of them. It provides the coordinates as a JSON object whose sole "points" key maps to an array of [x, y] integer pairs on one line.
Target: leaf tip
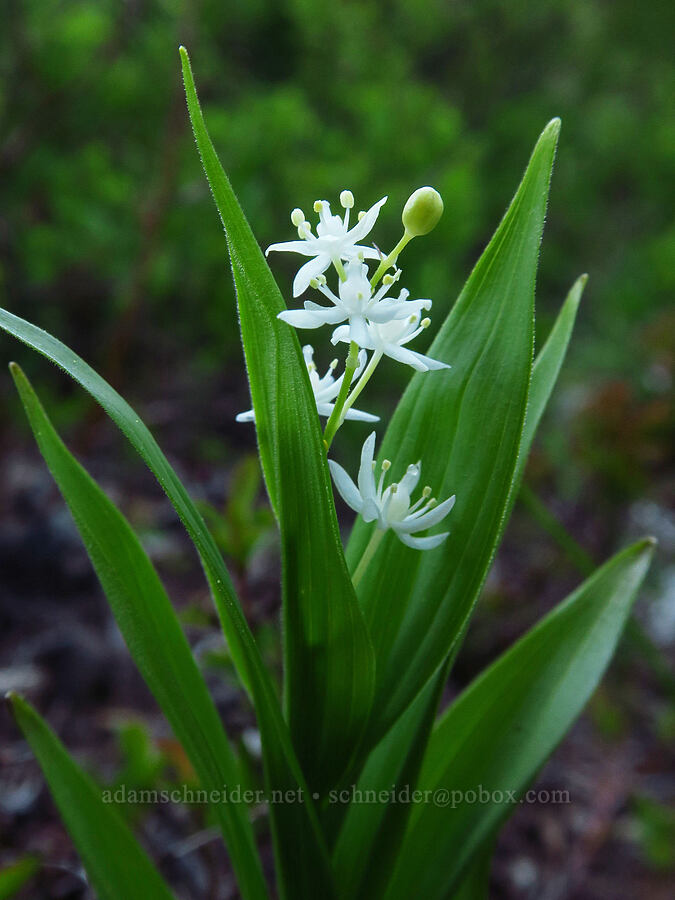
{"points": [[553, 127], [13, 700], [17, 374]]}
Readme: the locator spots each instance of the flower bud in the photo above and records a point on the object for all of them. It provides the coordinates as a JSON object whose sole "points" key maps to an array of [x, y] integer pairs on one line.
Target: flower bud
{"points": [[422, 211]]}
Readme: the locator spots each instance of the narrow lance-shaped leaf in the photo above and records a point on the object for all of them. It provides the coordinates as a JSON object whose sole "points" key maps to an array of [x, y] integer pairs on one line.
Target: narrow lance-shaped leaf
{"points": [[16, 874], [116, 864], [396, 758], [545, 374], [465, 425], [282, 770], [329, 665], [501, 730], [153, 634], [476, 880], [371, 834]]}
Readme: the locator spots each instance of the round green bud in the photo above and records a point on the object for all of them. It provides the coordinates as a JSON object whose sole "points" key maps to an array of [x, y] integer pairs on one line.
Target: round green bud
{"points": [[422, 211]]}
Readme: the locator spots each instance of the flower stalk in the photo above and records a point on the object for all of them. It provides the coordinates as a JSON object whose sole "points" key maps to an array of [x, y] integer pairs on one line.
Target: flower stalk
{"points": [[368, 554], [336, 417]]}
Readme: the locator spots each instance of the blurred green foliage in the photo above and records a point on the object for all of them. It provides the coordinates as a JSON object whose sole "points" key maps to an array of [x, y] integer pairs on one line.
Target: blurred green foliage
{"points": [[107, 233]]}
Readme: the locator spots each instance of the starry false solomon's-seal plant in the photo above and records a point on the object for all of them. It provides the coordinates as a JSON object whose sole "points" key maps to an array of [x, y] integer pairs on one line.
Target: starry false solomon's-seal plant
{"points": [[367, 788]]}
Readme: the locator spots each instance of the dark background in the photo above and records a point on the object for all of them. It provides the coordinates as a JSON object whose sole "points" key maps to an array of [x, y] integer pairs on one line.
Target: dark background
{"points": [[109, 239]]}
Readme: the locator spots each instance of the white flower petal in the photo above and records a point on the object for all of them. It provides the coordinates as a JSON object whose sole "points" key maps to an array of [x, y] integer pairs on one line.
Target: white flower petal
{"points": [[362, 228], [304, 247], [358, 331], [301, 318], [409, 357], [427, 519], [428, 363], [340, 334], [424, 543], [331, 315], [366, 476], [248, 416], [358, 416], [310, 270], [370, 511], [412, 476], [366, 252], [325, 409], [362, 359], [346, 487]]}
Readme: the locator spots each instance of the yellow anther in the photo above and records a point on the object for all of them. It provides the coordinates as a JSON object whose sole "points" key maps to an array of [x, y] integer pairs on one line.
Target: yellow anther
{"points": [[297, 217], [347, 199], [386, 465], [425, 323], [361, 214], [318, 206]]}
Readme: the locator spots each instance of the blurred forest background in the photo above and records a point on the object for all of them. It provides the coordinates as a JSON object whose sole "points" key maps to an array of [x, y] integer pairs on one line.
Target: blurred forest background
{"points": [[110, 240]]}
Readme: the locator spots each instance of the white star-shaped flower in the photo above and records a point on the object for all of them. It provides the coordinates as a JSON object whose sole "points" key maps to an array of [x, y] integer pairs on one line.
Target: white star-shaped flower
{"points": [[391, 507], [333, 241], [355, 303], [325, 389], [389, 338]]}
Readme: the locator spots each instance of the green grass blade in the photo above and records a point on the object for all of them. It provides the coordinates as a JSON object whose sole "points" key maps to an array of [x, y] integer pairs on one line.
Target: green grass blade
{"points": [[504, 726], [116, 864], [465, 424], [329, 663], [153, 634]]}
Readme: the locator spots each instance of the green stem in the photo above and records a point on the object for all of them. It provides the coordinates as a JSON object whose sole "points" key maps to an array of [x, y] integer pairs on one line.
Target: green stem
{"points": [[635, 634], [368, 554], [340, 269], [361, 383], [334, 421], [391, 259]]}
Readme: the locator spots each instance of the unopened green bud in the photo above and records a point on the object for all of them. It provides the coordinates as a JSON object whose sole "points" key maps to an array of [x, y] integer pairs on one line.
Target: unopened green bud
{"points": [[422, 211]]}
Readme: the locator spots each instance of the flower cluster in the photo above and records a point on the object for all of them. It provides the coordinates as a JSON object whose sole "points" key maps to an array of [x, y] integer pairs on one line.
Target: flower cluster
{"points": [[368, 317]]}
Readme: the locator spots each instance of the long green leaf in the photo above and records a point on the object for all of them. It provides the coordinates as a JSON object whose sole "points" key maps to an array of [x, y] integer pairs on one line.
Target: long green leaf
{"points": [[153, 634], [465, 425], [329, 663], [282, 770], [116, 864], [499, 733], [395, 759]]}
